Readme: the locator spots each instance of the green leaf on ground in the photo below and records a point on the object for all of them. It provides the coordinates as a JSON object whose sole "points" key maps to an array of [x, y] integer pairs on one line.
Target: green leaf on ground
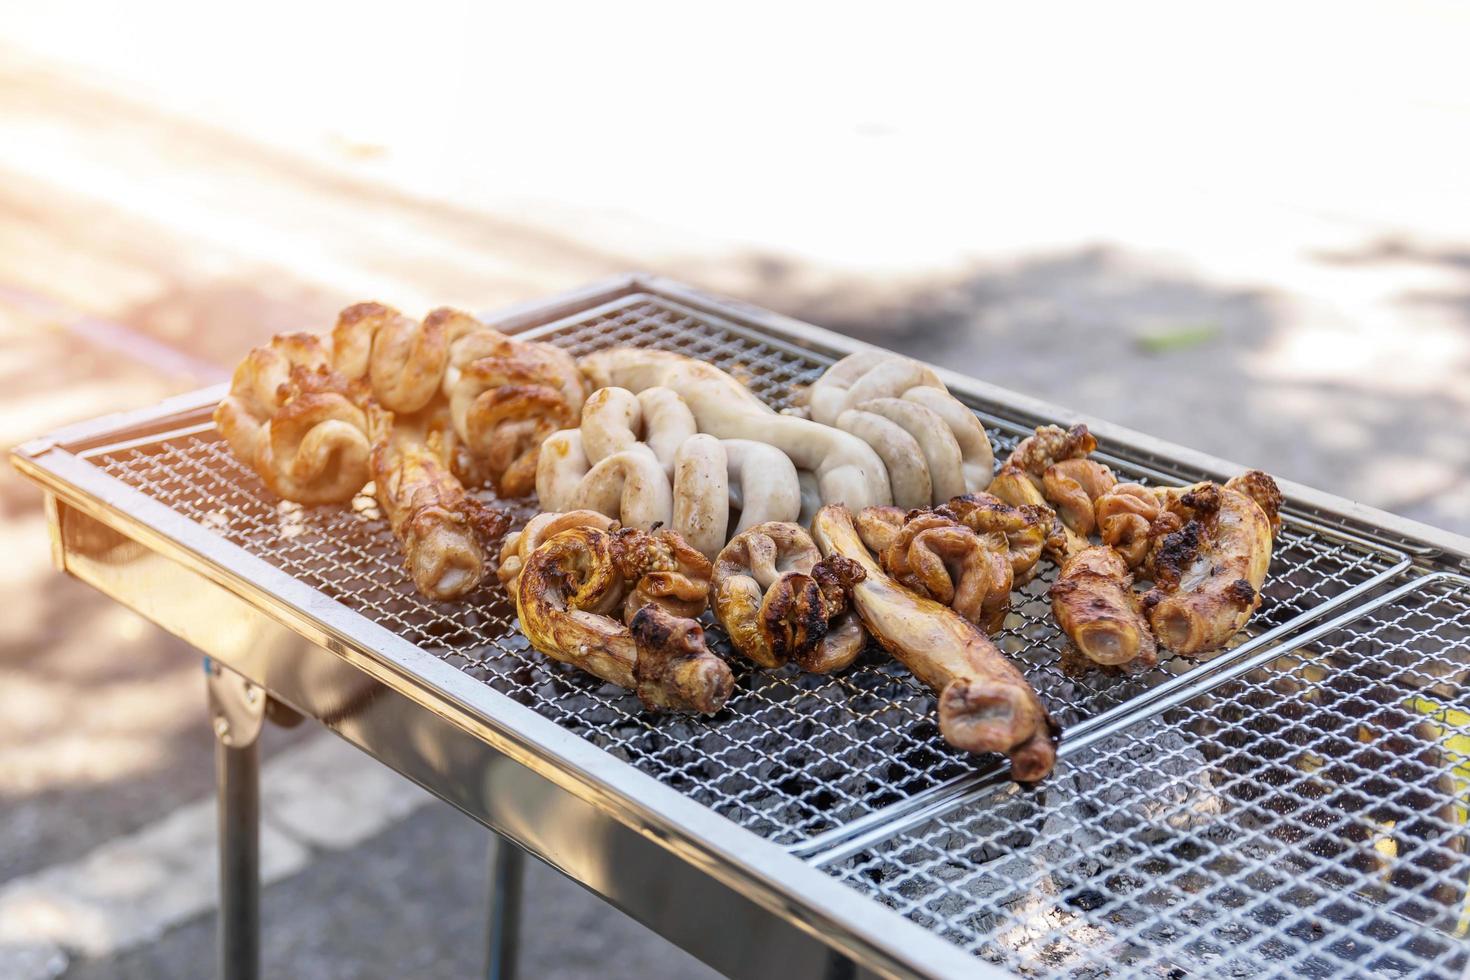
{"points": [[1181, 337]]}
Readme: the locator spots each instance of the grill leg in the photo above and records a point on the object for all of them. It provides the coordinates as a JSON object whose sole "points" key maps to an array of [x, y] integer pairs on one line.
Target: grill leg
{"points": [[237, 711], [237, 772], [507, 869]]}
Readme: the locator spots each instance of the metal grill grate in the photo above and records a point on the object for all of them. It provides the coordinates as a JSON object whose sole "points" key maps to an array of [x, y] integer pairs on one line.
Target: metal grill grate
{"points": [[793, 755], [1305, 819]]}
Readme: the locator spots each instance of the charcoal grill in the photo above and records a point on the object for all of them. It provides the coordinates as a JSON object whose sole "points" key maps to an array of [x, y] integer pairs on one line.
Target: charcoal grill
{"points": [[1295, 805]]}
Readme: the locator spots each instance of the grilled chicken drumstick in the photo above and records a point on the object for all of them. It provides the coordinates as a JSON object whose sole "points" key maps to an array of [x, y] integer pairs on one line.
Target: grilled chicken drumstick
{"points": [[573, 587], [780, 600], [985, 704], [1094, 603]]}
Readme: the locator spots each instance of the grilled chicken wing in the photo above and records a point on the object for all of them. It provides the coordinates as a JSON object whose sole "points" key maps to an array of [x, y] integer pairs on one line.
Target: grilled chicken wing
{"points": [[780, 600], [1094, 603], [571, 589], [1211, 549], [985, 704]]}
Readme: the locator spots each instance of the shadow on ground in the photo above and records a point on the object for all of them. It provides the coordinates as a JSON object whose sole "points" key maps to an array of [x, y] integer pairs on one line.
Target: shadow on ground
{"points": [[1244, 374]]}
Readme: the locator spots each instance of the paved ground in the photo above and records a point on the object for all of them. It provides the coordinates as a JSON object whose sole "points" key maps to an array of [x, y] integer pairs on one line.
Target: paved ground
{"points": [[1307, 311]]}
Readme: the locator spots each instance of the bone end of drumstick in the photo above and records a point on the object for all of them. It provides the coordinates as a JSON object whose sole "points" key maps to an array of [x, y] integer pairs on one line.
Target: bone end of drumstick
{"points": [[979, 716]]}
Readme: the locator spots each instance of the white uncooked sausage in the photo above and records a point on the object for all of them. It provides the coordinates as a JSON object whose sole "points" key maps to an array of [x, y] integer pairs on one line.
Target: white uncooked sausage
{"points": [[890, 380], [613, 419], [811, 497], [630, 486], [667, 424], [610, 422], [908, 476], [701, 494], [936, 441], [561, 466], [832, 393], [847, 469], [827, 397], [975, 449], [763, 483]]}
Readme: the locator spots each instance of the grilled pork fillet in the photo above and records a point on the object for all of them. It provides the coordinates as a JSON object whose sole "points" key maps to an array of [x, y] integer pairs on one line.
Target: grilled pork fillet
{"points": [[985, 704], [1094, 603], [1210, 552]]}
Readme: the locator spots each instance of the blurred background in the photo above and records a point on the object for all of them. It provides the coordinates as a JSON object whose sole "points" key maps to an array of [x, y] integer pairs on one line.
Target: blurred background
{"points": [[1244, 229]]}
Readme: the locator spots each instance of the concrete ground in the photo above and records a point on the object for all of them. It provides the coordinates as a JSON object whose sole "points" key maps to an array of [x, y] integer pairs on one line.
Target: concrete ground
{"points": [[1292, 296]]}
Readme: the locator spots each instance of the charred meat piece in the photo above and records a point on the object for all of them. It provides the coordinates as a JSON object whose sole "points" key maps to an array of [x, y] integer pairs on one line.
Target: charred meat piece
{"points": [[572, 587], [1072, 486], [1263, 490], [1208, 560], [1022, 479], [985, 703], [663, 570], [519, 545], [780, 600], [1125, 519], [443, 532], [1025, 528], [1047, 446], [944, 560], [1094, 603]]}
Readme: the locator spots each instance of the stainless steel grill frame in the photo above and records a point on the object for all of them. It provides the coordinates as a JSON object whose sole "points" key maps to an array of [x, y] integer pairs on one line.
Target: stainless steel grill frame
{"points": [[1303, 816], [798, 773]]}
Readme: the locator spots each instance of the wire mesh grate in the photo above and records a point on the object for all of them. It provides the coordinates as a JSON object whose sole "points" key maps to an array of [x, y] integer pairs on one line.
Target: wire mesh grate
{"points": [[1306, 819], [792, 755]]}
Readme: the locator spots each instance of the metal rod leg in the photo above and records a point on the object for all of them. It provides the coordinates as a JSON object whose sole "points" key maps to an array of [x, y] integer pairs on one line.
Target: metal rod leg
{"points": [[237, 712], [237, 771], [507, 869]]}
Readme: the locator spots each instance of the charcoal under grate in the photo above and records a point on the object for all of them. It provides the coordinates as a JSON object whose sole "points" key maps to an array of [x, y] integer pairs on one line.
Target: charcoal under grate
{"points": [[792, 756]]}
